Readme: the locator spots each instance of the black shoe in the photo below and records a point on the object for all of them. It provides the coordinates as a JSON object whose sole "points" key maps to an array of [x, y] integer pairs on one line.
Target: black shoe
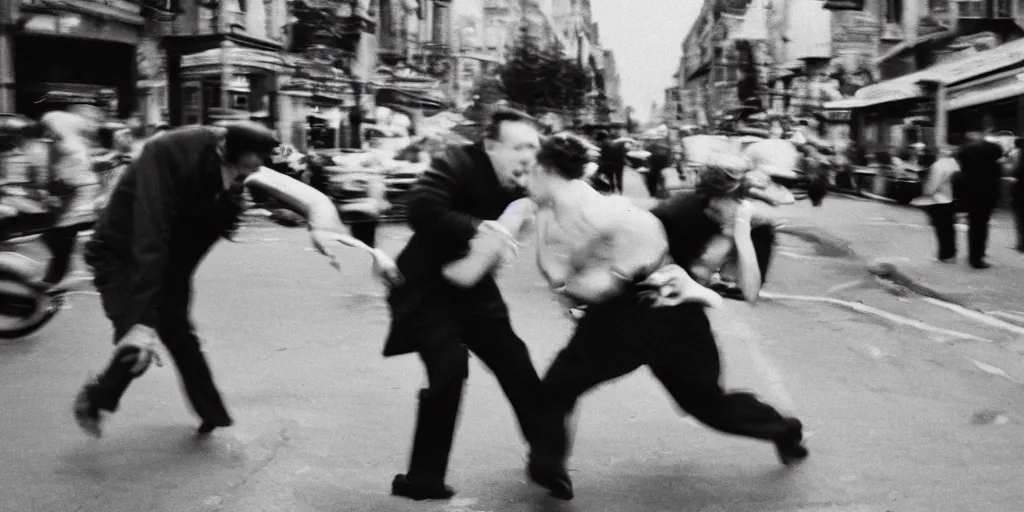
{"points": [[980, 265], [87, 414], [402, 486], [790, 446], [207, 426], [557, 482]]}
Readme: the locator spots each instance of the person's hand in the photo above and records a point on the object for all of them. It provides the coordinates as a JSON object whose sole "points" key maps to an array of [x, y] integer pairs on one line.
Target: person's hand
{"points": [[385, 269], [672, 285], [145, 340], [517, 214], [741, 225], [495, 236], [320, 238]]}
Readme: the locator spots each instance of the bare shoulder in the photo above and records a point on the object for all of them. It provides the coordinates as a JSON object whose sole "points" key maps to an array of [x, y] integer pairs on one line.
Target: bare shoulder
{"points": [[617, 213]]}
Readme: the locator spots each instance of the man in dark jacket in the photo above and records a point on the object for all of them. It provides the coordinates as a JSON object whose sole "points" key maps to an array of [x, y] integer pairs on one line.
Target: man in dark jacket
{"points": [[179, 197], [1018, 192], [980, 176], [458, 200], [612, 160]]}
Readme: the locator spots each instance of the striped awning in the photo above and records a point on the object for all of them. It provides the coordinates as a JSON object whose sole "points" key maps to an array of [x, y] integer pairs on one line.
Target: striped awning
{"points": [[242, 60]]}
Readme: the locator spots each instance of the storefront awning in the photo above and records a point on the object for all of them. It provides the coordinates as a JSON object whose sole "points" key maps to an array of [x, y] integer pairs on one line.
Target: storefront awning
{"points": [[401, 99], [987, 91], [242, 60], [948, 73]]}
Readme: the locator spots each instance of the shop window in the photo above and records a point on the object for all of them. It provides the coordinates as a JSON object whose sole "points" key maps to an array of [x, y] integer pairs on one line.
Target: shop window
{"points": [[1003, 9], [894, 12], [970, 9]]}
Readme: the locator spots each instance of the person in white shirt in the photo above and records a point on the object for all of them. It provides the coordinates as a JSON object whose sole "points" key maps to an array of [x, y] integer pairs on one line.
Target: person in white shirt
{"points": [[937, 200]]}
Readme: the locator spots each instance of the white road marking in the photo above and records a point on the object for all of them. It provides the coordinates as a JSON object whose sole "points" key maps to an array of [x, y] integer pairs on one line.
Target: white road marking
{"points": [[845, 286], [1014, 316], [892, 317], [992, 370], [977, 316], [796, 256]]}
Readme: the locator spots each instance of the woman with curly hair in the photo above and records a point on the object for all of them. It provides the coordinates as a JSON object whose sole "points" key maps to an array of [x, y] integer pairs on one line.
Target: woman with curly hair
{"points": [[629, 268]]}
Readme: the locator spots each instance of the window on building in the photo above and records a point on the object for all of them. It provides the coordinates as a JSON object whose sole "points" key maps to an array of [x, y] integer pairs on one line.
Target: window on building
{"points": [[894, 11], [1003, 8], [970, 8]]}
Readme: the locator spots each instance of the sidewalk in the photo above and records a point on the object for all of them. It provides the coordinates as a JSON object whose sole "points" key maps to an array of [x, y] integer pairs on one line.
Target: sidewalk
{"points": [[898, 243]]}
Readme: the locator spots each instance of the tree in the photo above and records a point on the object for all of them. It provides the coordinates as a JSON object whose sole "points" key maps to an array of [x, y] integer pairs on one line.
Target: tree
{"points": [[539, 79]]}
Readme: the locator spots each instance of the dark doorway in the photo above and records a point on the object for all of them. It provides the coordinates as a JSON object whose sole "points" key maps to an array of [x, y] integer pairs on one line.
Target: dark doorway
{"points": [[68, 60]]}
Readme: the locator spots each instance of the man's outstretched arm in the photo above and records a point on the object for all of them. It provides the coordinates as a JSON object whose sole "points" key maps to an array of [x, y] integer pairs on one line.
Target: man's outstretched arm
{"points": [[320, 212]]}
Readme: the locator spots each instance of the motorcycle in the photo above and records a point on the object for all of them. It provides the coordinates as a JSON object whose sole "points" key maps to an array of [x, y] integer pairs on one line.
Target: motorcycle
{"points": [[24, 215]]}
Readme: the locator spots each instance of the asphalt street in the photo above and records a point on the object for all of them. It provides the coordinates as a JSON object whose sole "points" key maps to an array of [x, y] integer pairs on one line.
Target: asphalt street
{"points": [[907, 407]]}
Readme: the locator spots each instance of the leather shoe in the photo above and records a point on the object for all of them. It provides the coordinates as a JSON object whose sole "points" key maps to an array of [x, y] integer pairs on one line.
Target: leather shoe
{"points": [[403, 486], [557, 482]]}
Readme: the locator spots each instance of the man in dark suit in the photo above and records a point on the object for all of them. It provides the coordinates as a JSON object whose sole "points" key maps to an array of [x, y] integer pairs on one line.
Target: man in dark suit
{"points": [[175, 201], [452, 211], [980, 175]]}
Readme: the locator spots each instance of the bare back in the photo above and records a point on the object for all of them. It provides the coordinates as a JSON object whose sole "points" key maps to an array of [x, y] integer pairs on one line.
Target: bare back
{"points": [[605, 239]]}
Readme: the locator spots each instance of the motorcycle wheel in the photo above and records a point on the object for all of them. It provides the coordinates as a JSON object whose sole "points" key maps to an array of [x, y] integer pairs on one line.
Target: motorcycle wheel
{"points": [[30, 309]]}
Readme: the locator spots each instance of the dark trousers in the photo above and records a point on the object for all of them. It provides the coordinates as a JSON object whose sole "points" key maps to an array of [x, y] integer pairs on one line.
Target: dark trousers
{"points": [[977, 233], [677, 344], [61, 244], [943, 218], [363, 227], [494, 342], [177, 334], [655, 182], [1018, 213], [613, 173]]}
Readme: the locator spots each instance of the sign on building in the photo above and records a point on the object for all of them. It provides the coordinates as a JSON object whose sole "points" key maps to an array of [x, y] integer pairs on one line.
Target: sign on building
{"points": [[844, 5]]}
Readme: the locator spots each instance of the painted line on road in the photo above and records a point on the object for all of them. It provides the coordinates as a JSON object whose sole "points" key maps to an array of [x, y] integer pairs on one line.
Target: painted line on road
{"points": [[977, 316], [993, 370], [796, 256], [845, 286], [892, 317], [1009, 315]]}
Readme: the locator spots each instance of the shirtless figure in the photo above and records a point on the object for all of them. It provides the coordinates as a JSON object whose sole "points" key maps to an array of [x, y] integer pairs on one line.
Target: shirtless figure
{"points": [[591, 248], [613, 257]]}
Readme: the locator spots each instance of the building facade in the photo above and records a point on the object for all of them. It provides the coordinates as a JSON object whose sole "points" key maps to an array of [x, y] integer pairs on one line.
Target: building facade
{"points": [[68, 37]]}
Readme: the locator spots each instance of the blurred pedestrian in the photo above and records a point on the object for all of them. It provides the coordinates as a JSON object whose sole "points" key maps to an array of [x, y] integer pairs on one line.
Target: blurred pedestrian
{"points": [[1018, 192], [73, 182], [981, 181], [612, 162], [171, 206], [937, 201], [110, 166], [660, 159]]}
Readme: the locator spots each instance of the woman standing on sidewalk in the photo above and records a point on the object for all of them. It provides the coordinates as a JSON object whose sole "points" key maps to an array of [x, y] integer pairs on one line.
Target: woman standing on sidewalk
{"points": [[937, 200]]}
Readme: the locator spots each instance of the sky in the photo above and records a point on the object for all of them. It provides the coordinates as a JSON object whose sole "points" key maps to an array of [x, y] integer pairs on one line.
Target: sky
{"points": [[647, 37]]}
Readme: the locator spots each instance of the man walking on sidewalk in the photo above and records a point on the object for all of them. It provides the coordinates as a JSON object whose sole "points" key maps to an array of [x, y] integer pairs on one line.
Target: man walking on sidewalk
{"points": [[937, 201], [981, 175]]}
